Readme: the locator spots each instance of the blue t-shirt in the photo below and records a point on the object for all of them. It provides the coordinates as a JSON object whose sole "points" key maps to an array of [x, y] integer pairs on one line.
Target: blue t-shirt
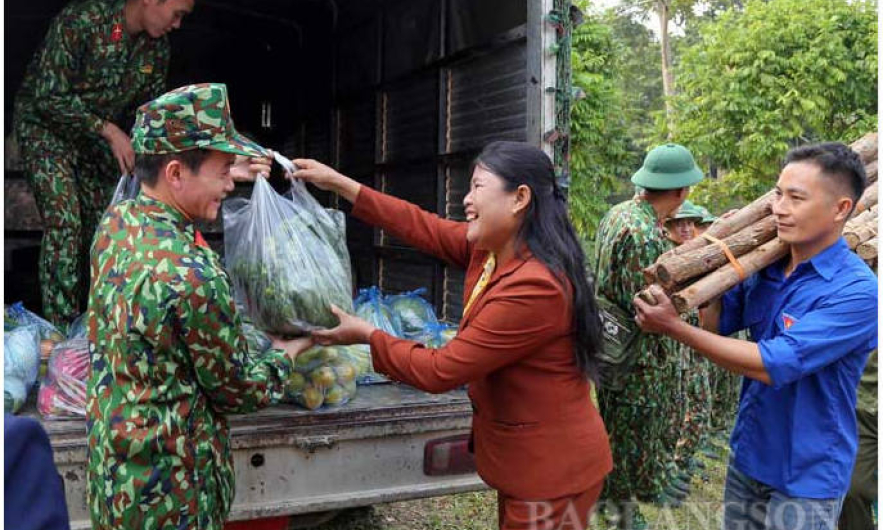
{"points": [[814, 330]]}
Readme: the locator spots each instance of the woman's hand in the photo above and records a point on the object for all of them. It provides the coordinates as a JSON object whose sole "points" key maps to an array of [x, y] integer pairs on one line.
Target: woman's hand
{"points": [[246, 169], [292, 347], [351, 330], [326, 178]]}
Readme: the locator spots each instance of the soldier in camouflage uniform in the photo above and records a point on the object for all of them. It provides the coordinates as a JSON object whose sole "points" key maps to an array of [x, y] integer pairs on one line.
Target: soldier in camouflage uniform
{"points": [[691, 428], [860, 505], [639, 415], [169, 356], [99, 61]]}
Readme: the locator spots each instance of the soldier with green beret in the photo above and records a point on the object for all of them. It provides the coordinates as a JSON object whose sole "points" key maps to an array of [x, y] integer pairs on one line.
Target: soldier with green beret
{"points": [[100, 59], [169, 356], [681, 226], [707, 217], [639, 412]]}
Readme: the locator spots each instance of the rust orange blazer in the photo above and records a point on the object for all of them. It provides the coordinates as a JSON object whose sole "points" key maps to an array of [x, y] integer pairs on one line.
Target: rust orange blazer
{"points": [[537, 434]]}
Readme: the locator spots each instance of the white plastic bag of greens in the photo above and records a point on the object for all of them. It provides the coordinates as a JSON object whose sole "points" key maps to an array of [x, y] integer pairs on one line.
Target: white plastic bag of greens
{"points": [[127, 188], [21, 363], [413, 311], [286, 259]]}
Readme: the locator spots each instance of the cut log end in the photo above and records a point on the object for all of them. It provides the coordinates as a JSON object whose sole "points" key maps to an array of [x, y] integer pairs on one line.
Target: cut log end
{"points": [[868, 250]]}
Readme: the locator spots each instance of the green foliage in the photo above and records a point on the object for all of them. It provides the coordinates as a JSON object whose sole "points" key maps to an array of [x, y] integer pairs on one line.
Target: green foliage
{"points": [[639, 78], [601, 149], [773, 76]]}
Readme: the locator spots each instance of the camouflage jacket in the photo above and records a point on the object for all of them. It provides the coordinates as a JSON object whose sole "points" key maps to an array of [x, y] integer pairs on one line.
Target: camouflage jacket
{"points": [[168, 359], [630, 237], [89, 70]]}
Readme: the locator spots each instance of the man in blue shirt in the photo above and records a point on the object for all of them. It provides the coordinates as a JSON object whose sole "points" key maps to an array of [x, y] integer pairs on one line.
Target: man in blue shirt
{"points": [[813, 319]]}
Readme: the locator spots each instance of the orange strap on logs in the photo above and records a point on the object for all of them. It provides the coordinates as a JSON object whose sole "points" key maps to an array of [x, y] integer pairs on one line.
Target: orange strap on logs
{"points": [[729, 254]]}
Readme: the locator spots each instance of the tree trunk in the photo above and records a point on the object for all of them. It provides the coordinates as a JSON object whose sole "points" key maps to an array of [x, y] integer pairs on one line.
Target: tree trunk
{"points": [[857, 235], [665, 50], [725, 278], [866, 147], [867, 200], [861, 218], [868, 250], [680, 268], [871, 171], [723, 227]]}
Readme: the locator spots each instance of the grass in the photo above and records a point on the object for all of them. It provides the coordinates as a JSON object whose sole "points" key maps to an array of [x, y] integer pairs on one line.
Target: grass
{"points": [[478, 510], [702, 510]]}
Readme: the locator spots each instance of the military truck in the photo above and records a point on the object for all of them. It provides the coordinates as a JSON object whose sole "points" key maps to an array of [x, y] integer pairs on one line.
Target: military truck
{"points": [[399, 94]]}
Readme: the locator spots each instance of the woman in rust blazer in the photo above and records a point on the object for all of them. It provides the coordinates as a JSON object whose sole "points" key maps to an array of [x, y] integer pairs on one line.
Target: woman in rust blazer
{"points": [[527, 340]]}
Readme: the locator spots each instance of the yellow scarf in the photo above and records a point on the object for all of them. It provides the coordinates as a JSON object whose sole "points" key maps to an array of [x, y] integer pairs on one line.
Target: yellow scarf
{"points": [[489, 265]]}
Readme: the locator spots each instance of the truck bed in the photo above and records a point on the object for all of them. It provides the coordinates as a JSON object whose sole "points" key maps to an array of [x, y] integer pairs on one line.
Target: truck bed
{"points": [[290, 460]]}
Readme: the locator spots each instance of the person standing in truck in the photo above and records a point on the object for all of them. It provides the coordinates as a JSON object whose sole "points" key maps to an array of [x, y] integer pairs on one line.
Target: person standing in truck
{"points": [[100, 59], [168, 355], [528, 339]]}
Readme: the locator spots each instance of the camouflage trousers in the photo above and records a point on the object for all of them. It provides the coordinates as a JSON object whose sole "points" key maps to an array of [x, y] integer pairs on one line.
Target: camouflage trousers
{"points": [[639, 420], [726, 388], [695, 400], [73, 182]]}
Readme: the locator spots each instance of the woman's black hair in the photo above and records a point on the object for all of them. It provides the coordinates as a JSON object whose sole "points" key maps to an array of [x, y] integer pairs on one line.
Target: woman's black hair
{"points": [[550, 236]]}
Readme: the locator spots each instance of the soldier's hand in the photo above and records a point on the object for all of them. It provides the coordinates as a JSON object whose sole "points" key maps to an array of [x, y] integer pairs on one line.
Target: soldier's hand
{"points": [[351, 330], [292, 347], [246, 169], [658, 318], [120, 146]]}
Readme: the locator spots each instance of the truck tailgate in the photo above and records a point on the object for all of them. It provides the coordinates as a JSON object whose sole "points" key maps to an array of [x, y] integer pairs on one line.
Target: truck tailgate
{"points": [[290, 461]]}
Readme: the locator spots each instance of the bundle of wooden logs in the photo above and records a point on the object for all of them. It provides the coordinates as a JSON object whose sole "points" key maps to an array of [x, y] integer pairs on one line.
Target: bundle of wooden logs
{"points": [[736, 246]]}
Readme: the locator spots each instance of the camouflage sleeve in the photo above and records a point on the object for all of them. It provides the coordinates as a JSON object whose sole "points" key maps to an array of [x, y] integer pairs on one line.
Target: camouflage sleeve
{"points": [[56, 69], [234, 380]]}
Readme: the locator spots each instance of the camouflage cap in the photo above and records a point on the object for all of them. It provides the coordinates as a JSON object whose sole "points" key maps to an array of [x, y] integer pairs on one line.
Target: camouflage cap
{"points": [[190, 117]]}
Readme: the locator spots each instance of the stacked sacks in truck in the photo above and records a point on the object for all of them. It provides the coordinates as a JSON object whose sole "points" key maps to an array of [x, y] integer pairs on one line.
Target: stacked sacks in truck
{"points": [[28, 341], [63, 390]]}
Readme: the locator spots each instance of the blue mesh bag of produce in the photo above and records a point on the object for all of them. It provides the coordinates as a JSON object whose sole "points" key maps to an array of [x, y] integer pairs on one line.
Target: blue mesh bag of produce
{"points": [[413, 312], [436, 334], [371, 306], [21, 364], [16, 315]]}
